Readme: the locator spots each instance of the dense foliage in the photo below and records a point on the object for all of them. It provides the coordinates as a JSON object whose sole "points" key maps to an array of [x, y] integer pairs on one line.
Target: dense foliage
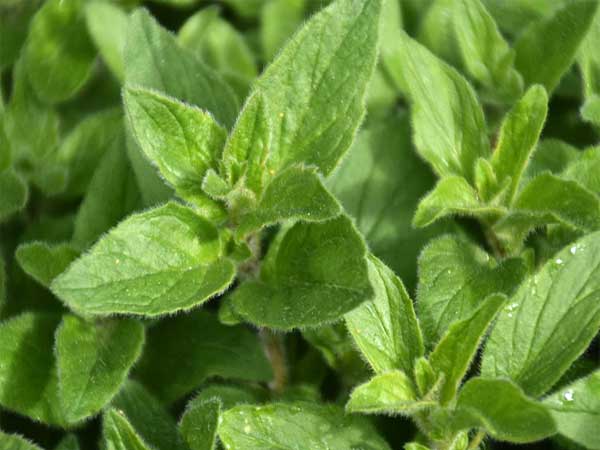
{"points": [[299, 224]]}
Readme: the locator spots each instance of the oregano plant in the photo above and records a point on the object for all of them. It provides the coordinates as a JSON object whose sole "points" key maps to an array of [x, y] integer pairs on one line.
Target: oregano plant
{"points": [[299, 224]]}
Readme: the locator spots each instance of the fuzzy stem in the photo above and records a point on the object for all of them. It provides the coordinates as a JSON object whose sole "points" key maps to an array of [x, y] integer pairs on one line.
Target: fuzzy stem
{"points": [[275, 350], [479, 437]]}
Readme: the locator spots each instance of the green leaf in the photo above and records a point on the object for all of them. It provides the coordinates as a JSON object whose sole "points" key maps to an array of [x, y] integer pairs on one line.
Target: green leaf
{"points": [[45, 262], [26, 355], [30, 125], [283, 426], [551, 155], [247, 148], [415, 446], [294, 194], [2, 283], [314, 103], [379, 184], [84, 147], [118, 434], [585, 169], [503, 410], [386, 329], [589, 64], [107, 25], [448, 122], [387, 393], [5, 145], [576, 410], [153, 188], [218, 44], [14, 23], [319, 274], [93, 361], [15, 442], [69, 442], [155, 61], [231, 395], [199, 423], [518, 138], [485, 53], [547, 48], [454, 277], [550, 320], [155, 262], [548, 199], [59, 54], [14, 194], [279, 19], [339, 351], [172, 370], [111, 195], [181, 140], [452, 195], [453, 355], [148, 417]]}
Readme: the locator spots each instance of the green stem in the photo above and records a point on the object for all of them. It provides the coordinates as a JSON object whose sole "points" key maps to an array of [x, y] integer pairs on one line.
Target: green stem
{"points": [[479, 437]]}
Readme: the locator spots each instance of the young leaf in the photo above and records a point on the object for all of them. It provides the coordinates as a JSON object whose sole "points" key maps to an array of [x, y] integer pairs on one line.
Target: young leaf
{"points": [[111, 195], [548, 199], [107, 25], [118, 434], [198, 425], [93, 361], [44, 262], [518, 138], [452, 195], [371, 184], [15, 442], [155, 61], [576, 410], [548, 47], [386, 329], [181, 140], [485, 53], [14, 194], [454, 276], [448, 122], [172, 370], [550, 320], [247, 147], [503, 410], [452, 356], [283, 426], [387, 393], [314, 103], [155, 262], [150, 419], [319, 274], [26, 355], [58, 54], [294, 193]]}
